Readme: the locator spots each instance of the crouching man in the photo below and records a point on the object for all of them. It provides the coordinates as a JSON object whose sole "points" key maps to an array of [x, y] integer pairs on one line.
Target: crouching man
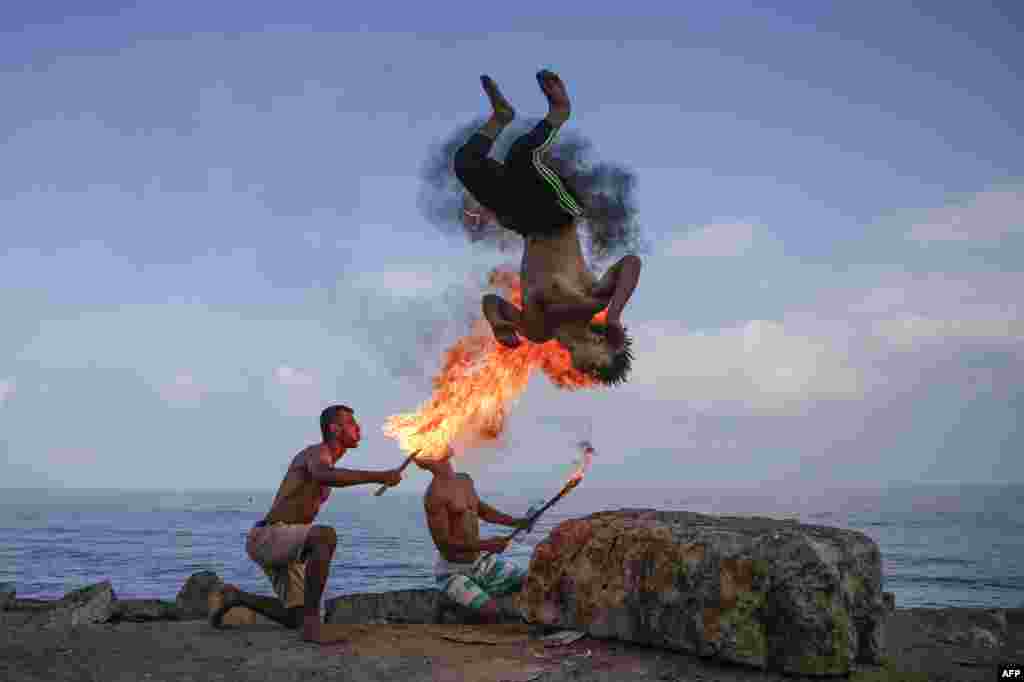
{"points": [[469, 570]]}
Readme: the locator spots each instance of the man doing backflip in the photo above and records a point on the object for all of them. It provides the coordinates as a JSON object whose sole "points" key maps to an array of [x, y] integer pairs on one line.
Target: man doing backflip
{"points": [[560, 294]]}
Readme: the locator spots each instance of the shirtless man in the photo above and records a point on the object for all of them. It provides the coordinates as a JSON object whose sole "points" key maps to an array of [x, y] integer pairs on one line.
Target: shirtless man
{"points": [[560, 294], [468, 569], [293, 553]]}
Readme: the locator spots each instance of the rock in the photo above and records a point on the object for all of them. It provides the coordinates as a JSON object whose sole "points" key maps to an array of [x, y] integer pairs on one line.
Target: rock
{"points": [[193, 599], [89, 605], [7, 593], [562, 637], [144, 610], [776, 595], [985, 628], [31, 604], [999, 618], [889, 599], [981, 637], [406, 606]]}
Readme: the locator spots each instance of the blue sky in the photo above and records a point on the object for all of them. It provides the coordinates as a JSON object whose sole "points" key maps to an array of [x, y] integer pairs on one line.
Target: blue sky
{"points": [[209, 228]]}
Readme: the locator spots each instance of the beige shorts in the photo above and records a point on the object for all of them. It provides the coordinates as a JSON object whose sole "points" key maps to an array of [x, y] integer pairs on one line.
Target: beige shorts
{"points": [[277, 549]]}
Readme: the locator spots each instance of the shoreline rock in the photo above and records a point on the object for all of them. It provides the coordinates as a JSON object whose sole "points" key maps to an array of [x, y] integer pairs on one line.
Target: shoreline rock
{"points": [[86, 606], [774, 595], [414, 606], [427, 653], [396, 638], [144, 610]]}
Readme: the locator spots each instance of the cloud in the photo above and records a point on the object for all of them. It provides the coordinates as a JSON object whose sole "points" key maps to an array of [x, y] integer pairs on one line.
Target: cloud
{"points": [[717, 240], [296, 392], [985, 217], [398, 283], [7, 389], [72, 455], [293, 378], [912, 332], [910, 311], [182, 391], [760, 365]]}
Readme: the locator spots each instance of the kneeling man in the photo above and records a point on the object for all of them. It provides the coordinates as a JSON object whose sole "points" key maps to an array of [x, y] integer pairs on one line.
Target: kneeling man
{"points": [[292, 551]]}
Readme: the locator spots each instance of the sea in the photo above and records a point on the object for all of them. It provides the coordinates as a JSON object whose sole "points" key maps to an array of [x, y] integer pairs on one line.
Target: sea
{"points": [[942, 545]]}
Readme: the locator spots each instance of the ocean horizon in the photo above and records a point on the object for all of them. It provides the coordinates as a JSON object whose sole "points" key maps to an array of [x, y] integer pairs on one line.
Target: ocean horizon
{"points": [[942, 544]]}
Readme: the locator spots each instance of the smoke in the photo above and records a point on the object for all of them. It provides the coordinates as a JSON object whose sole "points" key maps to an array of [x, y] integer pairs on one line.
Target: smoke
{"points": [[610, 225], [408, 336]]}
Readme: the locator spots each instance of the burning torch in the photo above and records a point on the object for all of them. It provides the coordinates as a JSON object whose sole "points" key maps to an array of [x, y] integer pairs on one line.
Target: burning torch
{"points": [[407, 462], [574, 480]]}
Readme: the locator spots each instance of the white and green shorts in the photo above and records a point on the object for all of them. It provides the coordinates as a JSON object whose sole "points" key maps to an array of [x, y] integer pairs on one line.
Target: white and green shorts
{"points": [[472, 585]]}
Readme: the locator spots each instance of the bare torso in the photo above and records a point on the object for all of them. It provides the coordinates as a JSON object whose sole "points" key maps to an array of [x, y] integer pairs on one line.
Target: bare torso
{"points": [[461, 504], [553, 269], [299, 497]]}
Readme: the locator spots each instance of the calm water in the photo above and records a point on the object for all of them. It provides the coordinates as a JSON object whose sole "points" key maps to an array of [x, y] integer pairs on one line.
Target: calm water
{"points": [[941, 546]]}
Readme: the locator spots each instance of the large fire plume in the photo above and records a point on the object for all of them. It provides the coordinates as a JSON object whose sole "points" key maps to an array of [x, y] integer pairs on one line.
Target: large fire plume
{"points": [[479, 382]]}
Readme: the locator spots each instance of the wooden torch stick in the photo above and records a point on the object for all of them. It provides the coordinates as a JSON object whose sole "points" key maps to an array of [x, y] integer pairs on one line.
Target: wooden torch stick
{"points": [[407, 462]]}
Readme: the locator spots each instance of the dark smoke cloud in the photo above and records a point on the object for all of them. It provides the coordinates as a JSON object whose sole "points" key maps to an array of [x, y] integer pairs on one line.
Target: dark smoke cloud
{"points": [[610, 227]]}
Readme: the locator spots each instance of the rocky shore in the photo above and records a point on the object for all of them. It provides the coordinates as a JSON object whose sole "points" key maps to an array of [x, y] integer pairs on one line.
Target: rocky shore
{"points": [[628, 595]]}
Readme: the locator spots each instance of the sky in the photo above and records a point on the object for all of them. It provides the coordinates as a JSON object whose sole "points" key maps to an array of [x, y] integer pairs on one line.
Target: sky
{"points": [[209, 232]]}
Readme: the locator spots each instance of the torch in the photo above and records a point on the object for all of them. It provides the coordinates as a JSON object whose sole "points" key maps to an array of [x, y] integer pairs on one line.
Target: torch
{"points": [[570, 484], [407, 462]]}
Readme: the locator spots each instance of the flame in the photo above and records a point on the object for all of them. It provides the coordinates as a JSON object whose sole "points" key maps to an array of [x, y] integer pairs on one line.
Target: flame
{"points": [[479, 380], [584, 463]]}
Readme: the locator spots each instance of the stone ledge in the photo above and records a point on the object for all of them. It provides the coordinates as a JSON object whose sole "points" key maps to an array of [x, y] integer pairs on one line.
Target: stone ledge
{"points": [[422, 606]]}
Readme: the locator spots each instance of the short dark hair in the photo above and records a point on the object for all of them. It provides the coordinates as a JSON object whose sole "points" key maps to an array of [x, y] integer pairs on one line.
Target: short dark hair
{"points": [[328, 416], [617, 372]]}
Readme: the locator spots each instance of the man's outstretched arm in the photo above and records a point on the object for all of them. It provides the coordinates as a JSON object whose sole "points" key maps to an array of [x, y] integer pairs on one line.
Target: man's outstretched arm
{"points": [[491, 515], [322, 471]]}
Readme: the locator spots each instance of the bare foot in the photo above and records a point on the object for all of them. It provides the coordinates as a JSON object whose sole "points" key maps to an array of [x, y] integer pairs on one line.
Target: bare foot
{"points": [[503, 111], [321, 633], [229, 600], [554, 89]]}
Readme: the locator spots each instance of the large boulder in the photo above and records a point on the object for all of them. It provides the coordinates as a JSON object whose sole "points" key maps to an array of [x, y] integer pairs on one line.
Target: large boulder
{"points": [[86, 606], [419, 606], [193, 598], [777, 595]]}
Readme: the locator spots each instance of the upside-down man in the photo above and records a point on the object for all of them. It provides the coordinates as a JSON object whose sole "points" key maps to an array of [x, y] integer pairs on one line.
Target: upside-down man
{"points": [[560, 294]]}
